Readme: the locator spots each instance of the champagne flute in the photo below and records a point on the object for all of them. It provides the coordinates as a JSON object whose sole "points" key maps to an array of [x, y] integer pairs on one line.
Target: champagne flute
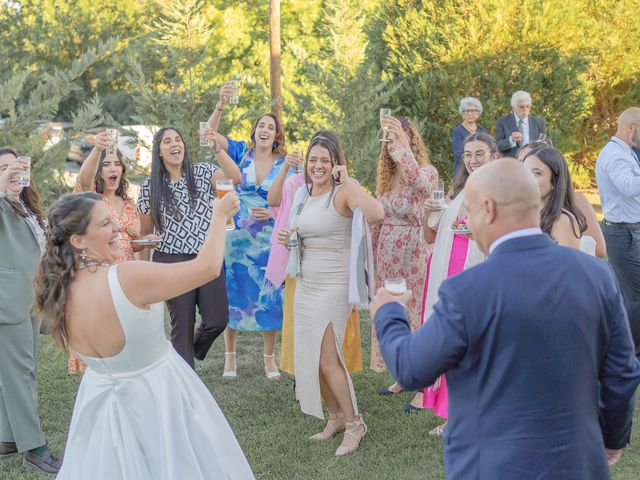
{"points": [[438, 193], [204, 126], [235, 98], [384, 113]]}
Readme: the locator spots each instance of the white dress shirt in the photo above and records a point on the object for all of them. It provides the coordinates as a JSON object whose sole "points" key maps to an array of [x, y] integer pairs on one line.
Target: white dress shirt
{"points": [[618, 178], [523, 232]]}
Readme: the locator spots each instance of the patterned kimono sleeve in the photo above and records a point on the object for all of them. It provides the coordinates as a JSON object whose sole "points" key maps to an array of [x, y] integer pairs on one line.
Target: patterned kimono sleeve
{"points": [[422, 178]]}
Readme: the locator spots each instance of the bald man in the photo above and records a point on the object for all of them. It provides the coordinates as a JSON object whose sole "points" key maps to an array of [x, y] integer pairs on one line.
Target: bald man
{"points": [[618, 177], [535, 344]]}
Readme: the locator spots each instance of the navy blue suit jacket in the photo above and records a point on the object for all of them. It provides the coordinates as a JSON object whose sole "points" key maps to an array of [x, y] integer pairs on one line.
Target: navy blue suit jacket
{"points": [[531, 341]]}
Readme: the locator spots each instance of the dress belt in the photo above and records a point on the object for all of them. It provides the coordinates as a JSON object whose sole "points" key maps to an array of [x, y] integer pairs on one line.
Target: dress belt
{"points": [[621, 224]]}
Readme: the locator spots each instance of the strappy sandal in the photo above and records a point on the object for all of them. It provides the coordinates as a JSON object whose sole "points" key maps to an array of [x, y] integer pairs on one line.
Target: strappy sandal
{"points": [[335, 424], [271, 376], [350, 428], [231, 374]]}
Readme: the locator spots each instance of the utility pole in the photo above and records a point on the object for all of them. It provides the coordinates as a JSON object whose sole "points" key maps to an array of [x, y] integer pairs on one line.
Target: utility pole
{"points": [[274, 46]]}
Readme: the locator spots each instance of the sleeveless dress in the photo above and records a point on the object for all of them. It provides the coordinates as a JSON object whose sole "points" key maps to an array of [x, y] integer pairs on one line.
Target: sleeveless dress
{"points": [[322, 295], [144, 414]]}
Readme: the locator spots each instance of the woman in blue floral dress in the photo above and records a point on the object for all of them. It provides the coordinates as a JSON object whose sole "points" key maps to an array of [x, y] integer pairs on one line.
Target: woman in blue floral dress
{"points": [[254, 304]]}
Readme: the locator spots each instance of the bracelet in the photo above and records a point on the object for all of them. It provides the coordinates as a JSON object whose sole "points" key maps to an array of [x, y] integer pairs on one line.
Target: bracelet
{"points": [[218, 107], [217, 150]]}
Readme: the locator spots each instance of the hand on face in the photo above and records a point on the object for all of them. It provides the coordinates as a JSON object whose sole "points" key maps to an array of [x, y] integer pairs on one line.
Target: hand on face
{"points": [[383, 297], [340, 174], [227, 206]]}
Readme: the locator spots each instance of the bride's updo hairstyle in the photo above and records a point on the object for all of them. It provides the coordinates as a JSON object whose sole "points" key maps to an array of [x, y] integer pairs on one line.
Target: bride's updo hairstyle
{"points": [[69, 215]]}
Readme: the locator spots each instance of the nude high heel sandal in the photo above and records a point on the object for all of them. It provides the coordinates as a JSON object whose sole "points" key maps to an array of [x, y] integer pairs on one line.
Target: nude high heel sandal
{"points": [[335, 425], [350, 429]]}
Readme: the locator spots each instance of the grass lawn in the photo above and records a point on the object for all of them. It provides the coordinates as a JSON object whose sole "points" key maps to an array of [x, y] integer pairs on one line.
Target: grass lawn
{"points": [[273, 432]]}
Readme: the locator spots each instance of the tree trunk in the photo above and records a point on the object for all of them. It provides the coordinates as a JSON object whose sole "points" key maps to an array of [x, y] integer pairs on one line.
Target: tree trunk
{"points": [[274, 44]]}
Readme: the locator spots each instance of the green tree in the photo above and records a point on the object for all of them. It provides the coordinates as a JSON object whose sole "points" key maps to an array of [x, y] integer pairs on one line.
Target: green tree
{"points": [[19, 128]]}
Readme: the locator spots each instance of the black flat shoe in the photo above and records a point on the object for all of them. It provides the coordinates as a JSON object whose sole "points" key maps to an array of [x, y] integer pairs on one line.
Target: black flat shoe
{"points": [[411, 409], [7, 449], [385, 391]]}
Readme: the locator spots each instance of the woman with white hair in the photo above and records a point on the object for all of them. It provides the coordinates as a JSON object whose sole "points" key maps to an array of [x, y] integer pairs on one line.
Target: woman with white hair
{"points": [[470, 108]]}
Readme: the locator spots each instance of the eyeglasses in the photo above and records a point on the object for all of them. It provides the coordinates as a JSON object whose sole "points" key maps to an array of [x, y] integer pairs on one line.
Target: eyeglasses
{"points": [[471, 110], [479, 156]]}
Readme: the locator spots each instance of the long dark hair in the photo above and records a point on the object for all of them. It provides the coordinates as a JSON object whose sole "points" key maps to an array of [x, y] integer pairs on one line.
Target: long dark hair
{"points": [[278, 148], [460, 180], [123, 186], [560, 199], [160, 196], [28, 196], [69, 215]]}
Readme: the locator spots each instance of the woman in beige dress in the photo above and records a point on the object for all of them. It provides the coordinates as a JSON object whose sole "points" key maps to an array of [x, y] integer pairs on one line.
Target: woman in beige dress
{"points": [[321, 308]]}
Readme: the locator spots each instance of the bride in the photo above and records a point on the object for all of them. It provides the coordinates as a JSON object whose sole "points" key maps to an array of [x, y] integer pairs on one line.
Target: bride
{"points": [[141, 412]]}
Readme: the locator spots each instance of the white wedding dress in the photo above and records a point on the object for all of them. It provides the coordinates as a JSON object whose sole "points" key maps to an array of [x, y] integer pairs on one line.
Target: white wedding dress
{"points": [[144, 414]]}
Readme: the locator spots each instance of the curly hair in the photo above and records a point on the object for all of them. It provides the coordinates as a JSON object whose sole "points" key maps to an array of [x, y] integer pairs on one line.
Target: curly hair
{"points": [[387, 166], [69, 215], [123, 187]]}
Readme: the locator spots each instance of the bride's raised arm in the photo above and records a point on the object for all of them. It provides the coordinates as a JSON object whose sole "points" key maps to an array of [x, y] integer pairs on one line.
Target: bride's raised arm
{"points": [[145, 283]]}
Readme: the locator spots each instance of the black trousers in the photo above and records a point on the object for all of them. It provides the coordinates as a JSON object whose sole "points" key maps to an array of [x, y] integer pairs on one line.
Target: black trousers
{"points": [[623, 249], [213, 305]]}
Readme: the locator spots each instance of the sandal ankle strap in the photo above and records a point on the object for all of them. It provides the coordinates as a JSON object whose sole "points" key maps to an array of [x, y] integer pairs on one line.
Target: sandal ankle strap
{"points": [[229, 353], [269, 356]]}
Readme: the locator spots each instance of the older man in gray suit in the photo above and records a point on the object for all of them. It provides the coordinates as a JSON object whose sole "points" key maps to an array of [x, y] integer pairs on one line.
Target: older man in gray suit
{"points": [[519, 128]]}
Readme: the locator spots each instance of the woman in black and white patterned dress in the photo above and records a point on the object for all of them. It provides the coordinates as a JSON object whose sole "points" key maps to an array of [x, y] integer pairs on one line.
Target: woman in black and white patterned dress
{"points": [[175, 203]]}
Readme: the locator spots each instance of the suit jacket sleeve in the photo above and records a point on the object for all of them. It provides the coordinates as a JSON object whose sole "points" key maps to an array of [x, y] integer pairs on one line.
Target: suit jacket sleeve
{"points": [[503, 139], [416, 360], [619, 378]]}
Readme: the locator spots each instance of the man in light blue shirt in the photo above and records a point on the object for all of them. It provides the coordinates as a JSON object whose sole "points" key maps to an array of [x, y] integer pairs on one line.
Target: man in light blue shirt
{"points": [[618, 177]]}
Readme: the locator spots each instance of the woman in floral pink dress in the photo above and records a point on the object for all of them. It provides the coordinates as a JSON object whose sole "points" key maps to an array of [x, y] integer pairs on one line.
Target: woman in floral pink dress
{"points": [[405, 181]]}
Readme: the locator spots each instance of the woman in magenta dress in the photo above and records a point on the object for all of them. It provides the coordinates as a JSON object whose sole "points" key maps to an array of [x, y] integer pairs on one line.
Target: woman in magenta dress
{"points": [[405, 180], [453, 252]]}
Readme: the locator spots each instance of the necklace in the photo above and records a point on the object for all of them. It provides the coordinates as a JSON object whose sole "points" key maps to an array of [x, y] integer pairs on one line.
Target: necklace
{"points": [[88, 263]]}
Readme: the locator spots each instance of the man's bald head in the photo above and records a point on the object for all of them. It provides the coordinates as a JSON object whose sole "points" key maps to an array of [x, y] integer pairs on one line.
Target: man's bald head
{"points": [[501, 197], [629, 126]]}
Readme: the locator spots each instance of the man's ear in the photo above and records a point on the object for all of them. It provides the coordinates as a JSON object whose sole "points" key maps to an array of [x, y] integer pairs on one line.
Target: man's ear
{"points": [[490, 210]]}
